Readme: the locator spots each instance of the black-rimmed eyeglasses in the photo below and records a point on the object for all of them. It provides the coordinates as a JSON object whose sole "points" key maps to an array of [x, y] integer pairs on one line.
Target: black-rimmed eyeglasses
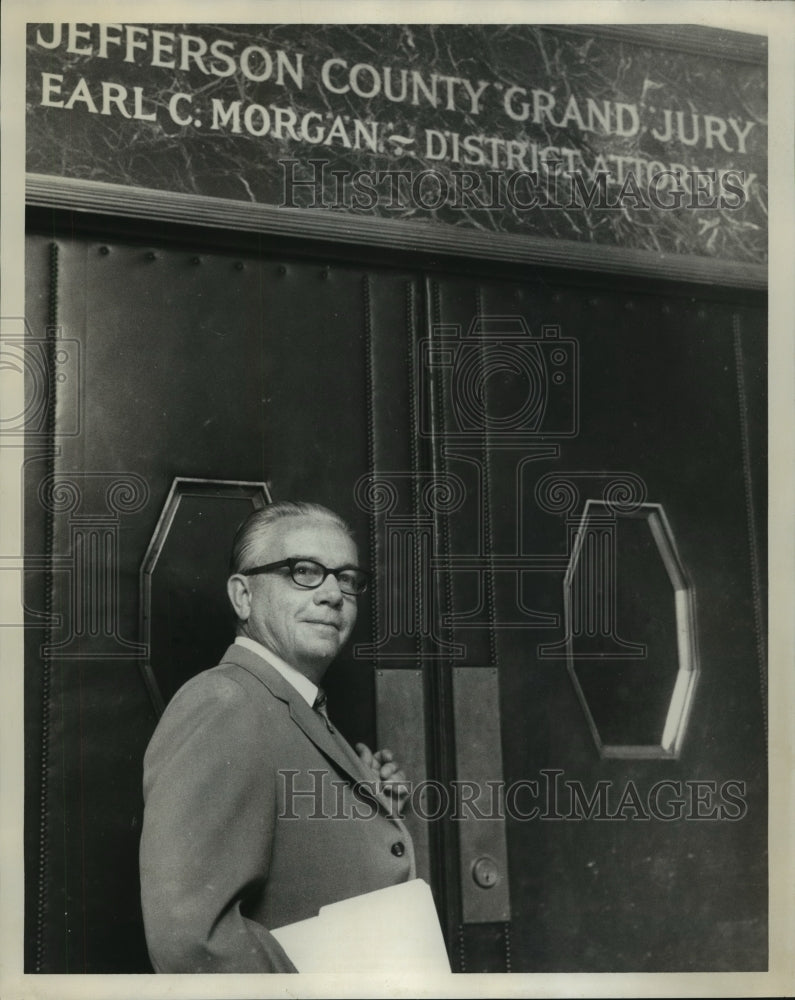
{"points": [[310, 574]]}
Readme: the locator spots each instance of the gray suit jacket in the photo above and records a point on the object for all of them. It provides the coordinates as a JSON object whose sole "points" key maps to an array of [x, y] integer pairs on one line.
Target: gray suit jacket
{"points": [[253, 819]]}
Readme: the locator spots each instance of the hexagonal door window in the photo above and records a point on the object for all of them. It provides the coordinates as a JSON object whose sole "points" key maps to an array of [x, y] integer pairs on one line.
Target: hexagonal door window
{"points": [[630, 631], [186, 620]]}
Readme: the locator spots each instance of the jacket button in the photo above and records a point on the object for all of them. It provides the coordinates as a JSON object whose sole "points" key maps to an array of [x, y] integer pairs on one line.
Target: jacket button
{"points": [[398, 849]]}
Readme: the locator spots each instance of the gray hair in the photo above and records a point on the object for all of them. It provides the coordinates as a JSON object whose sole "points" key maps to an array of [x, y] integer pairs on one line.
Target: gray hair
{"points": [[250, 532]]}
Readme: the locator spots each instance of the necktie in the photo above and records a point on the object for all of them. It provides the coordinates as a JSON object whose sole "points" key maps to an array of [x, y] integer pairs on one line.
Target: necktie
{"points": [[320, 707]]}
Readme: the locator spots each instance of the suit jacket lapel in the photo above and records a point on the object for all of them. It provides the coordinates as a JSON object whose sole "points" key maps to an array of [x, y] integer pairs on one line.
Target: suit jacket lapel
{"points": [[305, 717], [314, 727]]}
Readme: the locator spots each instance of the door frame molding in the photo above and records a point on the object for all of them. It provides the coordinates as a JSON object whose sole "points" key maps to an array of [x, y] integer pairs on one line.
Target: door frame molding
{"points": [[417, 237]]}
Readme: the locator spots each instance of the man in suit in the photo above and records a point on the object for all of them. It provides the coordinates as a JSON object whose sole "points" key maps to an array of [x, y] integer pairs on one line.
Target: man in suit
{"points": [[257, 811]]}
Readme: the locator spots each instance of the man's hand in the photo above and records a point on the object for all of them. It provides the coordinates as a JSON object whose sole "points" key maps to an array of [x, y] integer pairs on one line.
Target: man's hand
{"points": [[388, 775]]}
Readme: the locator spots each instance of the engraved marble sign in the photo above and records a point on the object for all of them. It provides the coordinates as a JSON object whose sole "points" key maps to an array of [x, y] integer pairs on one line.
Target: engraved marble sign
{"points": [[566, 133]]}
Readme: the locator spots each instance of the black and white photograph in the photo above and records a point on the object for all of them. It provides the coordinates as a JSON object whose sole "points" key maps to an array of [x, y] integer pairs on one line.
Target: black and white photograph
{"points": [[396, 442]]}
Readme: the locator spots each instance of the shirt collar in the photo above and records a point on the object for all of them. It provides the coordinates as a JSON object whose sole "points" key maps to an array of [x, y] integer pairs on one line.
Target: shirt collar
{"points": [[302, 684]]}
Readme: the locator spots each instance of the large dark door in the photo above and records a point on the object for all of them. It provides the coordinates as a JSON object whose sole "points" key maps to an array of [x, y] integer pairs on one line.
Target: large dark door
{"points": [[239, 376], [612, 467], [462, 425]]}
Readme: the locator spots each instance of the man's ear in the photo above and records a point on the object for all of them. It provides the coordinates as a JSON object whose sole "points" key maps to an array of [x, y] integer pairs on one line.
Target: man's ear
{"points": [[239, 596]]}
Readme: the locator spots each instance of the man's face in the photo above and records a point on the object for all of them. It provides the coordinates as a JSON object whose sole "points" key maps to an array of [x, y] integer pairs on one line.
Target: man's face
{"points": [[306, 628]]}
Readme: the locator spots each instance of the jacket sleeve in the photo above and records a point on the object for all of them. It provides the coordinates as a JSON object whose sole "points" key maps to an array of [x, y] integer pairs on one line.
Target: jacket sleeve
{"points": [[209, 820]]}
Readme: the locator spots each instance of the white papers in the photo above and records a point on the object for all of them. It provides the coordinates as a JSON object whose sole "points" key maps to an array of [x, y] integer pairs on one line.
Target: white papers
{"points": [[391, 930]]}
